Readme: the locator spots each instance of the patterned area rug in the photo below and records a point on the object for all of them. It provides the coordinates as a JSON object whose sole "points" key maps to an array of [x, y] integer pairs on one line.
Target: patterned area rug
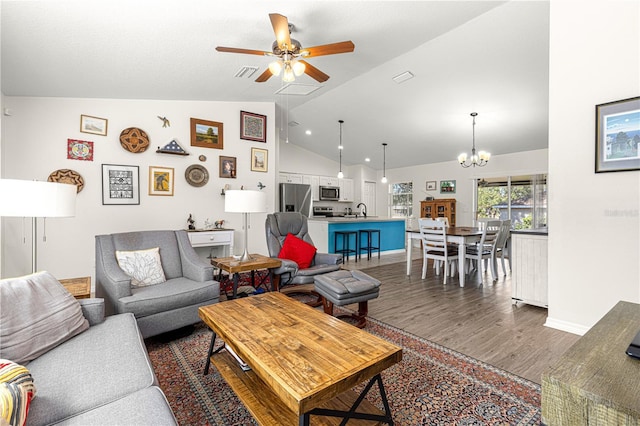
{"points": [[432, 385]]}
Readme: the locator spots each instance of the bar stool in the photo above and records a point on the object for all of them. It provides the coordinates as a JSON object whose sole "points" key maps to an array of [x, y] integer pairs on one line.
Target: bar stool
{"points": [[346, 244], [369, 247]]}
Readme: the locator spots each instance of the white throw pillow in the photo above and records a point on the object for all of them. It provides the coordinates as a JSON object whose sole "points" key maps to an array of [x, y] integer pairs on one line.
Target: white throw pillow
{"points": [[143, 266]]}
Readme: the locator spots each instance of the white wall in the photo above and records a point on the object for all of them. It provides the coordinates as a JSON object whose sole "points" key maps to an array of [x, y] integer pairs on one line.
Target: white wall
{"points": [[528, 162], [294, 159], [594, 240], [34, 145]]}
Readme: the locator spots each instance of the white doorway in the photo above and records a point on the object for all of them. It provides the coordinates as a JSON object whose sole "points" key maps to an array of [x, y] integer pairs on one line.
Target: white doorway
{"points": [[369, 197]]}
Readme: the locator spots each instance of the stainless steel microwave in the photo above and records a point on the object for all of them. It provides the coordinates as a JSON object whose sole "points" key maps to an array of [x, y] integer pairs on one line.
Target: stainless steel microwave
{"points": [[329, 193]]}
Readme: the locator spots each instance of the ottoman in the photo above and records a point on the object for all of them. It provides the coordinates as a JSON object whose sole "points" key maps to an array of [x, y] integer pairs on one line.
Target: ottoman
{"points": [[344, 288]]}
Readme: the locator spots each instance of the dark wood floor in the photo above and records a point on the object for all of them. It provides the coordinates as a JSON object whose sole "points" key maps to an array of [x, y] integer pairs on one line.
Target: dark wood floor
{"points": [[478, 320]]}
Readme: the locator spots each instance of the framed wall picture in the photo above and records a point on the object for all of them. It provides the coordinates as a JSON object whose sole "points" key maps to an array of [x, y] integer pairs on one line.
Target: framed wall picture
{"points": [[93, 125], [253, 127], [161, 180], [431, 185], [447, 186], [618, 136], [227, 167], [79, 150], [259, 160], [207, 134], [120, 185]]}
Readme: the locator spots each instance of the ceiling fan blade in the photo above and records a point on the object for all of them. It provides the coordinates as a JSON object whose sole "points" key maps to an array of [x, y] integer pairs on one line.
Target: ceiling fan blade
{"points": [[266, 75], [246, 51], [314, 72], [280, 26], [328, 49]]}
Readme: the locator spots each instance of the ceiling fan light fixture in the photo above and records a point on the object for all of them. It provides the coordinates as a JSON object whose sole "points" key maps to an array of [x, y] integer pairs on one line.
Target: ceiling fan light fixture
{"points": [[288, 76], [275, 67], [298, 68]]}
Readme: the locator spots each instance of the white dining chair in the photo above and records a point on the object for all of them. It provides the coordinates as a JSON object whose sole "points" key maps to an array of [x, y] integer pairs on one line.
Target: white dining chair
{"points": [[502, 248], [477, 254], [444, 219], [434, 246]]}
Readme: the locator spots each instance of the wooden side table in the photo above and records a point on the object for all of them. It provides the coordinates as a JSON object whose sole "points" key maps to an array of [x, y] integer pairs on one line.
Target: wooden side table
{"points": [[233, 266], [80, 288]]}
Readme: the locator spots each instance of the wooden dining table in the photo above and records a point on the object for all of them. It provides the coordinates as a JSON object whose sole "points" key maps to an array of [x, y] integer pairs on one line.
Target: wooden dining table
{"points": [[460, 235]]}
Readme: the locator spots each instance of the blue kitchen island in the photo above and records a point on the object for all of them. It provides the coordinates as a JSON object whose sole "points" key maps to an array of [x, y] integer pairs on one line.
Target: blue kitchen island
{"points": [[392, 231]]}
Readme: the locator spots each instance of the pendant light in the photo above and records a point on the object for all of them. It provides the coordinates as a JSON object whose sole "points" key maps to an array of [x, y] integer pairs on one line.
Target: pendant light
{"points": [[340, 147], [384, 163], [481, 159]]}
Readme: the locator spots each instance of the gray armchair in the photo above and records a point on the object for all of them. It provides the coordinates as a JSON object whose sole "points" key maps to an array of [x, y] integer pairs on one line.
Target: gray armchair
{"points": [[277, 226], [160, 307]]}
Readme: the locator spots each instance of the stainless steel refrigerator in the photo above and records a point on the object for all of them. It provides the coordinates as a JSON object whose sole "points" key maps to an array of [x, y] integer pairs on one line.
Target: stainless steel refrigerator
{"points": [[295, 197]]}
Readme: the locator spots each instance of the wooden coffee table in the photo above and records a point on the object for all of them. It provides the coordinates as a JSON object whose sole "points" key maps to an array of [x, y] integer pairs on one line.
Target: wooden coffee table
{"points": [[303, 362], [233, 266]]}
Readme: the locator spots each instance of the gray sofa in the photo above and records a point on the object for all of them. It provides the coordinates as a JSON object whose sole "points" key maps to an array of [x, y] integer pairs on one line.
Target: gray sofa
{"points": [[161, 307], [87, 369], [101, 376]]}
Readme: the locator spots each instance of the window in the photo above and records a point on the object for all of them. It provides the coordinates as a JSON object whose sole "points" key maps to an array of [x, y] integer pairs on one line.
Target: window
{"points": [[402, 199], [523, 199]]}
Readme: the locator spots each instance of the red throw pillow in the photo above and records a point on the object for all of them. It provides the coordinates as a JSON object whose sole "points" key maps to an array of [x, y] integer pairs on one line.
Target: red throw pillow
{"points": [[297, 250]]}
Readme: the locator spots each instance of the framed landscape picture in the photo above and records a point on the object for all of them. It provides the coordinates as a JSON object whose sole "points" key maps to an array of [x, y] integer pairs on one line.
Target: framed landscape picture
{"points": [[259, 160], [160, 180], [447, 186], [253, 127], [93, 125], [207, 134], [431, 185], [120, 185], [618, 136]]}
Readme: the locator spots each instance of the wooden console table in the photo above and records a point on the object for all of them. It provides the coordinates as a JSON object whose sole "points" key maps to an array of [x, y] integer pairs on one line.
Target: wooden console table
{"points": [[595, 381]]}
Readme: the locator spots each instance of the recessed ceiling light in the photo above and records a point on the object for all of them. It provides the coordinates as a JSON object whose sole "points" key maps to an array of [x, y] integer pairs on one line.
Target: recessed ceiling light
{"points": [[401, 78], [308, 132], [367, 159]]}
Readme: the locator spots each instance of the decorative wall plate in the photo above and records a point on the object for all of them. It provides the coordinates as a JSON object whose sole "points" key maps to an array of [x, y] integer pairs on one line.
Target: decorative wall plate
{"points": [[196, 175], [67, 176], [134, 140]]}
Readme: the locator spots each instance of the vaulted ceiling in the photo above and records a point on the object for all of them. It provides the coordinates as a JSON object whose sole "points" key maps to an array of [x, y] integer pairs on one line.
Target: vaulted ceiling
{"points": [[485, 56]]}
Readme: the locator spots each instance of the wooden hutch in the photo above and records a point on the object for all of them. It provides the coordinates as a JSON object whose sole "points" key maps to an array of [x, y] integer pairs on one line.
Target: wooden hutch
{"points": [[443, 207]]}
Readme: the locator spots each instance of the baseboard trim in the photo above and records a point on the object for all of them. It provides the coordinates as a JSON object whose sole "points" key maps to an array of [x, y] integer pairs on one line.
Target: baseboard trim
{"points": [[569, 327]]}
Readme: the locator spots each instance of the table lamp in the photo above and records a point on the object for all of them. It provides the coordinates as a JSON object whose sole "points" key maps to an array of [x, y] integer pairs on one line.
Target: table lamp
{"points": [[245, 202], [34, 199]]}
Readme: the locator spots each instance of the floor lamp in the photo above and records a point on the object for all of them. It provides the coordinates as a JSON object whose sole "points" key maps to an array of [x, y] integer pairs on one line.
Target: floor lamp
{"points": [[245, 202], [34, 199]]}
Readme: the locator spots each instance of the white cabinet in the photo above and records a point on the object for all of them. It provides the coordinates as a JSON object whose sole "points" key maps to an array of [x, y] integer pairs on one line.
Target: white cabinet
{"points": [[529, 268], [212, 243], [346, 190], [314, 181], [290, 178], [329, 181]]}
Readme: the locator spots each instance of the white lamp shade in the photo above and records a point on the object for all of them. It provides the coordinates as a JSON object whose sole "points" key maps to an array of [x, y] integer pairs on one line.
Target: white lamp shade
{"points": [[236, 201], [29, 198]]}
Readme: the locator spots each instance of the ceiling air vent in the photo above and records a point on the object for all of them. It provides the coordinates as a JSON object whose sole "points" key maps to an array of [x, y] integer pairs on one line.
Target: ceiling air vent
{"points": [[401, 78], [246, 71]]}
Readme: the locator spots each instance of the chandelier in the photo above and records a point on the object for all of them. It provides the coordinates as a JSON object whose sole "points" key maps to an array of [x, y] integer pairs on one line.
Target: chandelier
{"points": [[481, 158]]}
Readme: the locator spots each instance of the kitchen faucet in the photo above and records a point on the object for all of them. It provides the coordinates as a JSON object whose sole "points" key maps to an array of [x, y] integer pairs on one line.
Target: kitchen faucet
{"points": [[364, 213]]}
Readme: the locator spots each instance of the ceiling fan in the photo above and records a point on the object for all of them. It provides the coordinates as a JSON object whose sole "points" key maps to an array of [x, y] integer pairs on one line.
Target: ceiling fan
{"points": [[290, 51]]}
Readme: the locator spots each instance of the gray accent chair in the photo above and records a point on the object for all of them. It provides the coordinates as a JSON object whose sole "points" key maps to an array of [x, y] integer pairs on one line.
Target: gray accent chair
{"points": [[161, 307], [277, 227]]}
